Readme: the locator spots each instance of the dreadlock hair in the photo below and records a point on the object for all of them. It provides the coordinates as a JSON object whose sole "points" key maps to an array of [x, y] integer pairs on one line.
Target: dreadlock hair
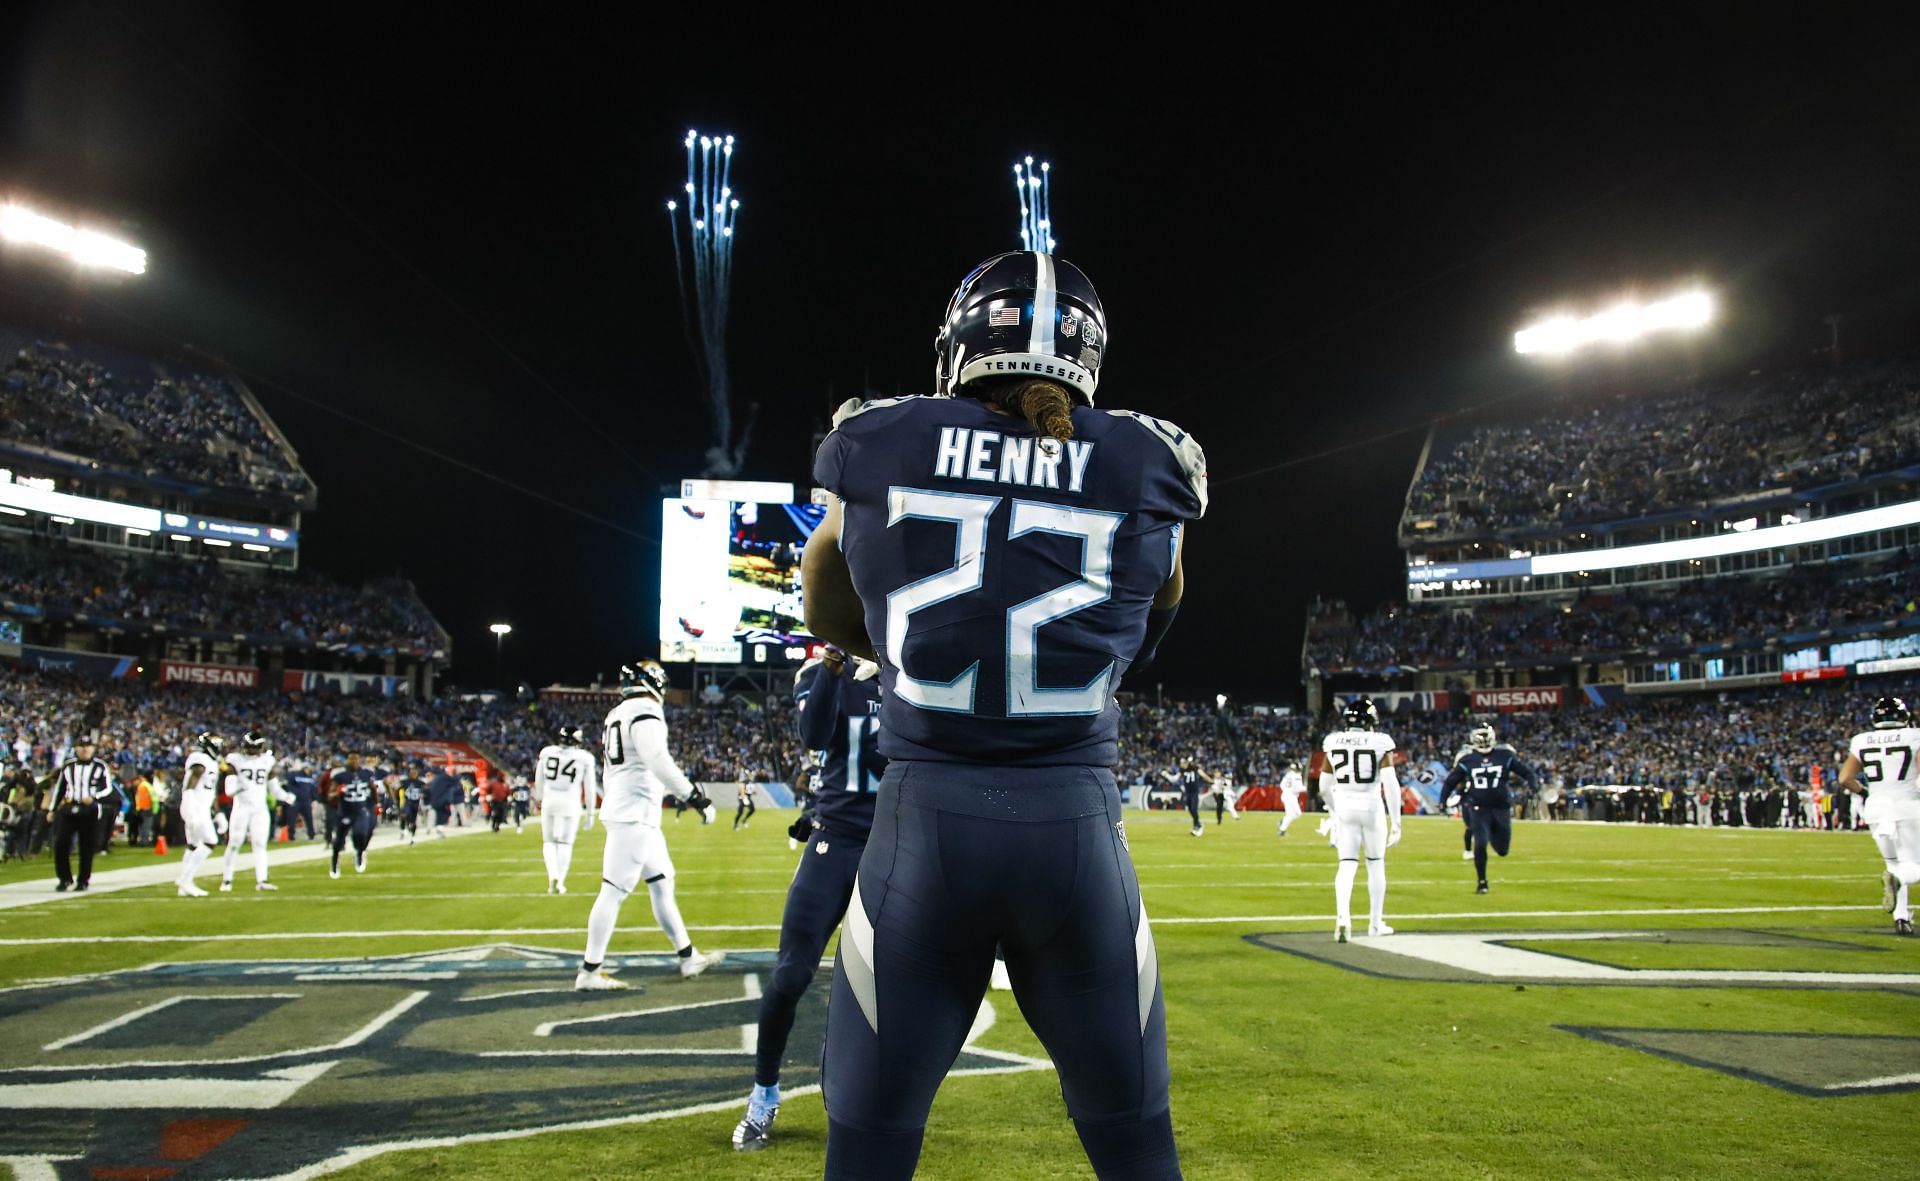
{"points": [[1048, 405]]}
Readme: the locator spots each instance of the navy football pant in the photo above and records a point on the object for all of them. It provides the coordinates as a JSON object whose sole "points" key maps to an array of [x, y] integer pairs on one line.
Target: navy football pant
{"points": [[1193, 805], [816, 901], [1489, 826], [358, 824], [962, 858]]}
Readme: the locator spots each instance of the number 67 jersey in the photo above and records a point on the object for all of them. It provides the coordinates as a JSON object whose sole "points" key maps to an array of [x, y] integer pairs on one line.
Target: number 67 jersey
{"points": [[1890, 768], [1007, 578]]}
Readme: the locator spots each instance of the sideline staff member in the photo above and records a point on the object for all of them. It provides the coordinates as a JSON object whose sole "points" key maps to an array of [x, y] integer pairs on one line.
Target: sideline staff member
{"points": [[74, 808]]}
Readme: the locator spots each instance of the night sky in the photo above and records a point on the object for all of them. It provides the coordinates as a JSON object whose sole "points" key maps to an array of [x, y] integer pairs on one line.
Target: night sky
{"points": [[1305, 237]]}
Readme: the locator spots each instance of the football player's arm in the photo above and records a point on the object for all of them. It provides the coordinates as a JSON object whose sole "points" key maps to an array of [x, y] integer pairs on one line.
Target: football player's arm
{"points": [[831, 605], [819, 710], [1850, 775], [1166, 604], [590, 789], [1390, 796], [1455, 778]]}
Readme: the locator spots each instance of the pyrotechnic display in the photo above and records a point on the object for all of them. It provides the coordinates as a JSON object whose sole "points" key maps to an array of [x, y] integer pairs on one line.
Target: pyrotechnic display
{"points": [[1034, 187], [704, 266]]}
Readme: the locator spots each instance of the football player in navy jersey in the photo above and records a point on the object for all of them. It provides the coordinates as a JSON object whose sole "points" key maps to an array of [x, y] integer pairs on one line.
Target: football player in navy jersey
{"points": [[1482, 777], [354, 788], [838, 704], [1006, 551]]}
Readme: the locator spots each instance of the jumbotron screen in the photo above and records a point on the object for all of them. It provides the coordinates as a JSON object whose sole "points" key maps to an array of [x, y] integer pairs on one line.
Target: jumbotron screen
{"points": [[730, 580]]}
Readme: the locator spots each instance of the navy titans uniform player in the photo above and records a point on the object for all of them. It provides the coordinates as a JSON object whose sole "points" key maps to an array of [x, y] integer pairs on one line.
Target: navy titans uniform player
{"points": [[413, 797], [1481, 776], [522, 798], [1009, 550], [839, 715], [354, 788]]}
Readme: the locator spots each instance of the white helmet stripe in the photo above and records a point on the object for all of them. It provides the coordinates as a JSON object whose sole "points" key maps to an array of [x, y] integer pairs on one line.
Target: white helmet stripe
{"points": [[1040, 340]]}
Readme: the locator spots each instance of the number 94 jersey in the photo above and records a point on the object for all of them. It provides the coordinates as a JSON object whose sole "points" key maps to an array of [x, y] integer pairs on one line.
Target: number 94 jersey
{"points": [[1890, 769], [1006, 578]]}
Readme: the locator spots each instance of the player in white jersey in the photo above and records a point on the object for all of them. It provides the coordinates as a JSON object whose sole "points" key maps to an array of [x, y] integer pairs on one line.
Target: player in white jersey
{"points": [[1291, 785], [640, 772], [565, 780], [1883, 764], [1362, 792], [198, 781], [252, 808]]}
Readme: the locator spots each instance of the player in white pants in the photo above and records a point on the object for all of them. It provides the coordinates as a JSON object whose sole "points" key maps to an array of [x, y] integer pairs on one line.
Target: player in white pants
{"points": [[1291, 785], [1360, 788], [1883, 764], [568, 788], [253, 800], [639, 774], [197, 782]]}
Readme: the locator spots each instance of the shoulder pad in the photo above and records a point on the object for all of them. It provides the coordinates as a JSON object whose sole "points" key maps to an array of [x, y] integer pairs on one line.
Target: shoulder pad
{"points": [[853, 408], [1460, 756], [1508, 747], [1186, 450]]}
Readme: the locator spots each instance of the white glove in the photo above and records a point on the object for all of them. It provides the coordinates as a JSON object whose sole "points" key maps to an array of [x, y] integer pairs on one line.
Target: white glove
{"points": [[864, 669], [220, 823], [1393, 836]]}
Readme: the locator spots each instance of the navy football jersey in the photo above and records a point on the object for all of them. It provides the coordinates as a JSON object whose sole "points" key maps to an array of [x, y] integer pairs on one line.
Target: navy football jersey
{"points": [[356, 788], [413, 791], [840, 718], [1486, 779], [1007, 580]]}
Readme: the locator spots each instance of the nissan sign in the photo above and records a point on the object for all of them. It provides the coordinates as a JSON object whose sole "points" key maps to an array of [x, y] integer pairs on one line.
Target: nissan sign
{"points": [[1517, 700], [226, 676]]}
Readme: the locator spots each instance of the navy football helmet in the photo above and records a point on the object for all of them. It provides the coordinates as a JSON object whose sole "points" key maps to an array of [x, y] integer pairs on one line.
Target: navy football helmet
{"points": [[1481, 738], [1360, 714], [643, 676], [1022, 314], [1891, 713]]}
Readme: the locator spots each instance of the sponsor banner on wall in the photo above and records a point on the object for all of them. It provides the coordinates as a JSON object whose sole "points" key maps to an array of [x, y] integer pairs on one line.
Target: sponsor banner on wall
{"points": [[60, 660], [225, 676], [299, 681], [457, 757], [1508, 701]]}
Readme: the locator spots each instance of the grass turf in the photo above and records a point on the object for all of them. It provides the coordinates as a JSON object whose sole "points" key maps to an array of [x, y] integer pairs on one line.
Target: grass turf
{"points": [[1283, 1065]]}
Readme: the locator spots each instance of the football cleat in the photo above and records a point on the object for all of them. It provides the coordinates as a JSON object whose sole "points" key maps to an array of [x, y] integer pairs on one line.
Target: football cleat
{"points": [[597, 981], [226, 887], [1466, 855], [1198, 831], [359, 863], [334, 873], [1903, 926], [1889, 891], [1480, 889], [1375, 930], [754, 1131], [698, 962], [1342, 932], [189, 890], [265, 886]]}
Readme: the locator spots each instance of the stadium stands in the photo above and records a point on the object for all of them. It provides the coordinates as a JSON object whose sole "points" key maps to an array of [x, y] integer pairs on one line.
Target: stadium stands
{"points": [[1811, 603], [198, 597], [1634, 455], [140, 418]]}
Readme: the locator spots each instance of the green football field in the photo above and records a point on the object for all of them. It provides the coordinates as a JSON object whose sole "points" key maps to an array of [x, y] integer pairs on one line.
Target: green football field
{"points": [[1627, 1003]]}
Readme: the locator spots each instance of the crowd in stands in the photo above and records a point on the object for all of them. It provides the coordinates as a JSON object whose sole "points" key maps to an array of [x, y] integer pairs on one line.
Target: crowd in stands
{"points": [[172, 424], [187, 595], [1749, 757], [1804, 599], [1634, 455]]}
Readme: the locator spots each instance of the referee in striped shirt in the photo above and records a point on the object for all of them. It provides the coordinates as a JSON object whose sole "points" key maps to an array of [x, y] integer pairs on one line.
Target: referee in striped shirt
{"points": [[74, 808]]}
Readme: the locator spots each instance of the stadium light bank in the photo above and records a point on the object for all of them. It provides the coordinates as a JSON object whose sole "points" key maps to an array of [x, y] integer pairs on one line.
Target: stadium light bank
{"points": [[87, 248], [1623, 323]]}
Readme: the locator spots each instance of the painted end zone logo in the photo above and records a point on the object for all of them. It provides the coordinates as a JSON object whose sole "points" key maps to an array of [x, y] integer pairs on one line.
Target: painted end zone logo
{"points": [[1517, 700], [1814, 1064], [295, 1068]]}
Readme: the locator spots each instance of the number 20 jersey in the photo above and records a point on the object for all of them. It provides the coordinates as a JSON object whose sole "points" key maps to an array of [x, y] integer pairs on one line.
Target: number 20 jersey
{"points": [[1890, 769], [1007, 580]]}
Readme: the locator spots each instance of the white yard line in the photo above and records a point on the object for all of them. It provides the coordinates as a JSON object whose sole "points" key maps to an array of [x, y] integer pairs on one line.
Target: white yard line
{"points": [[158, 872]]}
